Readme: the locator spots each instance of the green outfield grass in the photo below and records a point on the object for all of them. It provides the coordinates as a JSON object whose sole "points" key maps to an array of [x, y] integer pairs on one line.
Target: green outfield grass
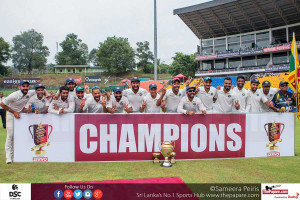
{"points": [[251, 170]]}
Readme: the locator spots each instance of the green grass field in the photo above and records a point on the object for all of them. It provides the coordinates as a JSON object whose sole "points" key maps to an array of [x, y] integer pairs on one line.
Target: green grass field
{"points": [[251, 170]]}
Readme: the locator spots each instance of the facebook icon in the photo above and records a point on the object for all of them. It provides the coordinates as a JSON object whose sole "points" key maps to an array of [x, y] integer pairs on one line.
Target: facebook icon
{"points": [[58, 194]]}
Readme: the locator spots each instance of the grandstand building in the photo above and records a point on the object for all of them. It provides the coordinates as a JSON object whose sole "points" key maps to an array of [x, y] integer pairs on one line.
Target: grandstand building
{"points": [[243, 37]]}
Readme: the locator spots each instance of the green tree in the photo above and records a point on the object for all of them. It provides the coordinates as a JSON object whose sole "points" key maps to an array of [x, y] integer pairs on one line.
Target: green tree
{"points": [[5, 54], [29, 52], [116, 55], [74, 51], [93, 57], [184, 64], [144, 56]]}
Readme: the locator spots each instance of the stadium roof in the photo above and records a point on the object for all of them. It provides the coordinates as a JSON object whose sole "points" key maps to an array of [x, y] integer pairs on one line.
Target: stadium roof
{"points": [[228, 17]]}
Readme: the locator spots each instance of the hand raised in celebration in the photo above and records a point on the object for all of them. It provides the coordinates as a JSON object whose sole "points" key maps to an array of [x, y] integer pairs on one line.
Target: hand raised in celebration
{"points": [[144, 104]]}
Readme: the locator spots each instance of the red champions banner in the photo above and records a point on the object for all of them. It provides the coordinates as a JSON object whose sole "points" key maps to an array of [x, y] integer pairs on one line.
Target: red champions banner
{"points": [[121, 137]]}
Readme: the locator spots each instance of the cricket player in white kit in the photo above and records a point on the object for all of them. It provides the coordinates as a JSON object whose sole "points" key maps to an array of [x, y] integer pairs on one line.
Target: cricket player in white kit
{"points": [[64, 103], [150, 100], [14, 104], [135, 94], [95, 104], [80, 99], [118, 103], [39, 101], [189, 105], [227, 99], [172, 96], [255, 98], [241, 93], [269, 93], [207, 94]]}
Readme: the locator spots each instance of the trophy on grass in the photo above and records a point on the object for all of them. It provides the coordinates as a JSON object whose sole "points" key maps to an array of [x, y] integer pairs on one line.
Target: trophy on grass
{"points": [[156, 155], [166, 149]]}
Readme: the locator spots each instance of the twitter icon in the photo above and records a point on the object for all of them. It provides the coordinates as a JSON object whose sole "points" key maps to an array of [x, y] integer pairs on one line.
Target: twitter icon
{"points": [[77, 194]]}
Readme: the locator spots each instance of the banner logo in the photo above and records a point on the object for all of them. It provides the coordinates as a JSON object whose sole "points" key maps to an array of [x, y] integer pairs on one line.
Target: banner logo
{"points": [[40, 134], [274, 131]]}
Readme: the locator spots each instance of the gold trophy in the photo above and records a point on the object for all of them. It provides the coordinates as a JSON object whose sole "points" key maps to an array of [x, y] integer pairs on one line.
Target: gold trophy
{"points": [[173, 154], [156, 155], [166, 148], [274, 131], [40, 134]]}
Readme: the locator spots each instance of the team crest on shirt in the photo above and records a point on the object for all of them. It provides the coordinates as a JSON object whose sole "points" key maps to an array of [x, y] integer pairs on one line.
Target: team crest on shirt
{"points": [[43, 100], [271, 95], [141, 94], [194, 104], [257, 94], [27, 96], [121, 103], [179, 94], [229, 96], [211, 94], [243, 94]]}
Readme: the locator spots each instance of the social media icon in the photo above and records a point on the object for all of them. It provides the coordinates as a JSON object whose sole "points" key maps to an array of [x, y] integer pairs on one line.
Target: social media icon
{"points": [[68, 194], [58, 194], [87, 194], [98, 194], [77, 194]]}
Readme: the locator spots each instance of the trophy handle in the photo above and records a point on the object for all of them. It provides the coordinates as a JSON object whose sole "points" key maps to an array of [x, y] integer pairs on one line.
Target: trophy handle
{"points": [[30, 131], [282, 128], [266, 129], [173, 144], [50, 131]]}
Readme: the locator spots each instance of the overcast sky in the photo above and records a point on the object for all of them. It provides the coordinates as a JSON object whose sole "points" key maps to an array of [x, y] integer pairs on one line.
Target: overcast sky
{"points": [[95, 20]]}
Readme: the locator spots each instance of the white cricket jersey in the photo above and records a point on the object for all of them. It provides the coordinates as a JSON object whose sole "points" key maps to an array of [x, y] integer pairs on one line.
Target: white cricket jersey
{"points": [[119, 105], [39, 104], [225, 101], [92, 106], [207, 97], [269, 96], [71, 94], [195, 105], [172, 100], [78, 102], [151, 104], [254, 100], [242, 96], [17, 100], [68, 105], [135, 100]]}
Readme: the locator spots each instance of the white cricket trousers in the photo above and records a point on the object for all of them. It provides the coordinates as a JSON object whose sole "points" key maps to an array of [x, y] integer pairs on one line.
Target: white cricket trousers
{"points": [[9, 148]]}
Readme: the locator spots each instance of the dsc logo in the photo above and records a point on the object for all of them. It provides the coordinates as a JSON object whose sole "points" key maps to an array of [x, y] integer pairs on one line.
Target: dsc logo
{"points": [[58, 194], [15, 193]]}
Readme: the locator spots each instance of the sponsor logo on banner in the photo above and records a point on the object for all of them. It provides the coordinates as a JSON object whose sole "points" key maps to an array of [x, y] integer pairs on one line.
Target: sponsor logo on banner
{"points": [[40, 134], [92, 79], [274, 131], [136, 137], [78, 79], [11, 81]]}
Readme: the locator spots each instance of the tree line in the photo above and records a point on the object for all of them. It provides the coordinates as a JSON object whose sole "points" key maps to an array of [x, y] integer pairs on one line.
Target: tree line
{"points": [[114, 55]]}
